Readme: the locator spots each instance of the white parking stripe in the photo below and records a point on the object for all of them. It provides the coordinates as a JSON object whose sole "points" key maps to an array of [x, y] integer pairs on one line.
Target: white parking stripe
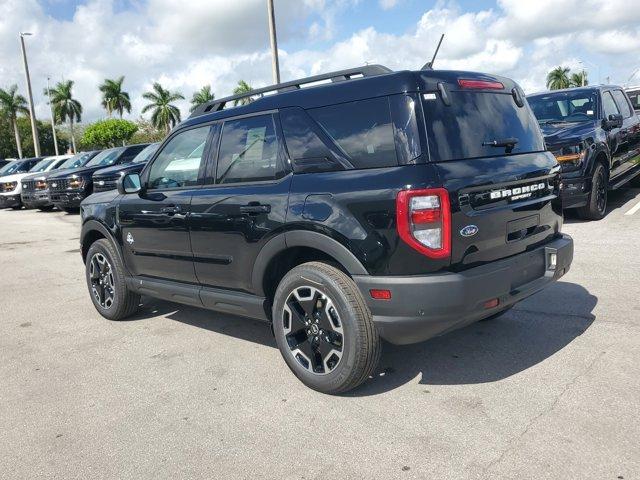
{"points": [[634, 209]]}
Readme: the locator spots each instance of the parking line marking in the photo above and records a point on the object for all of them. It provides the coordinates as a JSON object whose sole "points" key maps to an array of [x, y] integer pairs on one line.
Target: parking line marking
{"points": [[633, 209]]}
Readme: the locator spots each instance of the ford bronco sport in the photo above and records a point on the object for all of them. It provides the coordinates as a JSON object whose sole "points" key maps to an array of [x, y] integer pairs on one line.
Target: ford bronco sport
{"points": [[595, 136], [343, 209]]}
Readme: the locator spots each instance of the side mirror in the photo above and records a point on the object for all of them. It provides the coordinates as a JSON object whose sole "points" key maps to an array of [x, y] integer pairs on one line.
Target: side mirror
{"points": [[612, 121], [129, 183]]}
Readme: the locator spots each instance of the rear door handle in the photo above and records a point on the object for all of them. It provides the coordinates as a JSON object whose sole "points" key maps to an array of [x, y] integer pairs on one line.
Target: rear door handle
{"points": [[171, 209], [255, 209]]}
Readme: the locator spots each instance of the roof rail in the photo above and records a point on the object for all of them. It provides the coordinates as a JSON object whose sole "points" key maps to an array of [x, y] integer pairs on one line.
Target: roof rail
{"points": [[338, 76]]}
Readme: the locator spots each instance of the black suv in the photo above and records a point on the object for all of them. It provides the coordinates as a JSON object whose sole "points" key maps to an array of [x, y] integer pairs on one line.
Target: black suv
{"points": [[106, 178], [68, 189], [595, 136], [379, 204]]}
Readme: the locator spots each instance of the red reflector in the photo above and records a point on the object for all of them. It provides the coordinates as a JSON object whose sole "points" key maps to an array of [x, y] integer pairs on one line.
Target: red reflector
{"points": [[492, 303], [425, 216], [480, 84], [377, 294]]}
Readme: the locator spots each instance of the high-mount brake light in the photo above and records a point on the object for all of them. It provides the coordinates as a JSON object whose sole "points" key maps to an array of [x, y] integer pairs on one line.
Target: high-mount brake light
{"points": [[423, 221], [480, 84]]}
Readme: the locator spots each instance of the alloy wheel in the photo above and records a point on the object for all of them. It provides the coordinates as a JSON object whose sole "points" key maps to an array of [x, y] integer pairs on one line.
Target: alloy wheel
{"points": [[313, 330], [102, 283]]}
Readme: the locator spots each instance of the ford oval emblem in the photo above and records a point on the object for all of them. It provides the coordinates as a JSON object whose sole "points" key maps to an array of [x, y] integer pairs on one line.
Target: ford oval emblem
{"points": [[469, 231]]}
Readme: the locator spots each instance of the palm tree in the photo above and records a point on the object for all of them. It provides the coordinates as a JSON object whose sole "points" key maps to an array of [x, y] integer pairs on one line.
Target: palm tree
{"points": [[558, 78], [65, 107], [11, 105], [201, 97], [575, 80], [242, 88], [165, 115], [114, 99]]}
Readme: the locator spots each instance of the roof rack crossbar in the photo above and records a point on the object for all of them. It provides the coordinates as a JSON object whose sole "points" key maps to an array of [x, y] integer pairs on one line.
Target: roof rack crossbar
{"points": [[339, 76]]}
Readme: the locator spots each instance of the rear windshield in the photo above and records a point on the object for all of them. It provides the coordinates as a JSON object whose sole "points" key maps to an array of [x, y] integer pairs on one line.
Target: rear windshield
{"points": [[474, 120]]}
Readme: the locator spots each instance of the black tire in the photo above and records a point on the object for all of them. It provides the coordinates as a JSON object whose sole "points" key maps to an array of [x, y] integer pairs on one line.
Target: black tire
{"points": [[46, 208], [351, 329], [124, 302], [71, 210], [596, 206], [497, 315], [17, 207]]}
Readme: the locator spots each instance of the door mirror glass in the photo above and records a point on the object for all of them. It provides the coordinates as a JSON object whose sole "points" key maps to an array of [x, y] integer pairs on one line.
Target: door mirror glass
{"points": [[129, 183]]}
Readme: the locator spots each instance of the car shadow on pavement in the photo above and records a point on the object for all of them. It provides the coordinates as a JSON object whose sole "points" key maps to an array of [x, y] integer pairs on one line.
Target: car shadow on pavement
{"points": [[489, 351], [483, 352]]}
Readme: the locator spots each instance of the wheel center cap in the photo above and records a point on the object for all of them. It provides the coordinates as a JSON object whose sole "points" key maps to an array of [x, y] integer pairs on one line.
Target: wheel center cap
{"points": [[314, 329]]}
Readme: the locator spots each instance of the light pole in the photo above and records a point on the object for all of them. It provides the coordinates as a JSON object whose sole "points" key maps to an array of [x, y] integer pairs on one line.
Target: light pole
{"points": [[34, 130], [275, 67], [53, 122]]}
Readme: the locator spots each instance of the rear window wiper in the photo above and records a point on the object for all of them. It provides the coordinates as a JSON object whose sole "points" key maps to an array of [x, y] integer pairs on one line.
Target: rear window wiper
{"points": [[503, 142]]}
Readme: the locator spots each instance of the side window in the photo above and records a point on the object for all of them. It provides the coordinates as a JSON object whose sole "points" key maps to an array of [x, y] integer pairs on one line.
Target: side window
{"points": [[362, 129], [248, 150], [308, 152], [608, 105], [623, 104], [178, 164]]}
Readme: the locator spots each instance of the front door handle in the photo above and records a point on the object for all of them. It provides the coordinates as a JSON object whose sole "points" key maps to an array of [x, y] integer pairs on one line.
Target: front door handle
{"points": [[171, 209], [254, 209]]}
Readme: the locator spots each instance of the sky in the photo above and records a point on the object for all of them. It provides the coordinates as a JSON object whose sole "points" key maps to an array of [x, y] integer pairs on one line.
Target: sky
{"points": [[185, 44]]}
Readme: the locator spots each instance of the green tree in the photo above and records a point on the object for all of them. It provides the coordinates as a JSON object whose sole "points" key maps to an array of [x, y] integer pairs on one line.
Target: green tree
{"points": [[65, 107], [165, 115], [201, 97], [575, 80], [7, 138], [558, 78], [242, 88], [108, 133], [12, 104], [114, 99]]}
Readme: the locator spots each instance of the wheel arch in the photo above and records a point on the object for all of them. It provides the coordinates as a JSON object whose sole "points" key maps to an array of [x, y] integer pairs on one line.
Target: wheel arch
{"points": [[289, 249], [92, 231]]}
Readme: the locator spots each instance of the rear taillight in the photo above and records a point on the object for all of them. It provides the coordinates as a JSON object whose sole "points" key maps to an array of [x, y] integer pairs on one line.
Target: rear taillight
{"points": [[480, 84], [423, 219]]}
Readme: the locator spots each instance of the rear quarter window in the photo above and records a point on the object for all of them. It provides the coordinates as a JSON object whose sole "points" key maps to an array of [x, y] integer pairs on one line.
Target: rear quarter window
{"points": [[458, 131], [363, 130]]}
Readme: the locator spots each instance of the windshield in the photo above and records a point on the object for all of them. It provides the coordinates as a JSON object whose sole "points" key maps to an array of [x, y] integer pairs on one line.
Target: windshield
{"points": [[145, 154], [7, 168], [579, 106], [42, 165], [77, 160], [634, 96], [105, 158]]}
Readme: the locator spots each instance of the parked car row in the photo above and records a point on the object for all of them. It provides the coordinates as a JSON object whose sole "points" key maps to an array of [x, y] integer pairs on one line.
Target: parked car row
{"points": [[64, 181]]}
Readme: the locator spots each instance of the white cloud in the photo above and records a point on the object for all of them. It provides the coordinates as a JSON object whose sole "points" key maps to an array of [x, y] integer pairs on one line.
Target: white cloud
{"points": [[387, 4]]}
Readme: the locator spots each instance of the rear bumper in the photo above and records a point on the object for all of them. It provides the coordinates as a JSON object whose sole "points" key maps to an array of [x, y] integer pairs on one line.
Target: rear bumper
{"points": [[9, 201], [422, 307], [36, 199]]}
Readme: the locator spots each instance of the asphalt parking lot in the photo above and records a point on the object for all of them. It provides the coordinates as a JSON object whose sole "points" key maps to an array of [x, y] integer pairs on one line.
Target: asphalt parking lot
{"points": [[550, 390]]}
